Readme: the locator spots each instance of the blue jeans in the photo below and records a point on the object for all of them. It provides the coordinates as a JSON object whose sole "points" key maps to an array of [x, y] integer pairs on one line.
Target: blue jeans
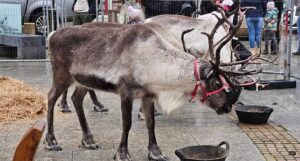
{"points": [[298, 30], [254, 28]]}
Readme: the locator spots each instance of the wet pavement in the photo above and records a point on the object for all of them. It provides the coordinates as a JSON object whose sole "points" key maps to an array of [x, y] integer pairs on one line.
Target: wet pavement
{"points": [[190, 125]]}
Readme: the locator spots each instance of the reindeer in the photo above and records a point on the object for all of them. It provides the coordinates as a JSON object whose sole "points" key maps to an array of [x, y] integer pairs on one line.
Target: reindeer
{"points": [[176, 25], [141, 61]]}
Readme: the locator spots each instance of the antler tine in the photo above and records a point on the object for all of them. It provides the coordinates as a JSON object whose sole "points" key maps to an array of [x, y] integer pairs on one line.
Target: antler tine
{"points": [[229, 35], [211, 36], [269, 61], [253, 81], [240, 84], [242, 73], [236, 11], [182, 38], [251, 58]]}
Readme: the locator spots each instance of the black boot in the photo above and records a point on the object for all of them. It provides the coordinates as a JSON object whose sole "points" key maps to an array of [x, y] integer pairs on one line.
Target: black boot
{"points": [[265, 52]]}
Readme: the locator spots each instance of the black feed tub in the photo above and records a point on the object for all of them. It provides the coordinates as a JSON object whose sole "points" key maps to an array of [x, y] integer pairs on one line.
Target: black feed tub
{"points": [[204, 153], [253, 114]]}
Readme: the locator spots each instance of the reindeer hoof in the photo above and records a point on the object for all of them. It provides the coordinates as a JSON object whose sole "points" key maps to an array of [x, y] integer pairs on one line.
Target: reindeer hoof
{"points": [[100, 109], [160, 157], [64, 108], [91, 146], [53, 148], [141, 116], [122, 157], [51, 143]]}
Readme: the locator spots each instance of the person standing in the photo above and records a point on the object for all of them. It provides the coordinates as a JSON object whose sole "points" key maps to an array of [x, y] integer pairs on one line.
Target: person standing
{"points": [[131, 8], [297, 3], [279, 6], [254, 21], [84, 11], [270, 28]]}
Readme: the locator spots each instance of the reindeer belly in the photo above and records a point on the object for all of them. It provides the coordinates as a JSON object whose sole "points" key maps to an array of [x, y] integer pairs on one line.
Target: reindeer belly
{"points": [[94, 82]]}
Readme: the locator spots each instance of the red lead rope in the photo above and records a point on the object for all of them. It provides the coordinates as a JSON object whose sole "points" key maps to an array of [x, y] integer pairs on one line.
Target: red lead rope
{"points": [[199, 84]]}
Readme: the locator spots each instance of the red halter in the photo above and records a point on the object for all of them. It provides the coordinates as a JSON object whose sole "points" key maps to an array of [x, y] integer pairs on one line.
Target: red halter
{"points": [[204, 91]]}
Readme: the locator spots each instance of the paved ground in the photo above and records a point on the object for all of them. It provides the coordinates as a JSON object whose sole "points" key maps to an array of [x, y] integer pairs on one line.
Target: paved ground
{"points": [[190, 125]]}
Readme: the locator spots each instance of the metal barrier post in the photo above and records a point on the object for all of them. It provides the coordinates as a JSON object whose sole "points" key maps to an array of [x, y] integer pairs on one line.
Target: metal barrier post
{"points": [[52, 14], [287, 60], [97, 10]]}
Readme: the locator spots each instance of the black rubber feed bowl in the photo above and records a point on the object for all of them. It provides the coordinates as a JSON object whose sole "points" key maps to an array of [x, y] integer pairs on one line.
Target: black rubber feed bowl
{"points": [[253, 114], [204, 153]]}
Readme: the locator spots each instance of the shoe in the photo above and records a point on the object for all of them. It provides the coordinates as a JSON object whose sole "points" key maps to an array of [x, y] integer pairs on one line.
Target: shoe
{"points": [[265, 52], [296, 53], [257, 51], [253, 51], [274, 52]]}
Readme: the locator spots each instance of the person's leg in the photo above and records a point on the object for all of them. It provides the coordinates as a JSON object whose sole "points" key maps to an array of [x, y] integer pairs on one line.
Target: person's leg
{"points": [[258, 27], [267, 40], [76, 18], [274, 48], [251, 32], [86, 17]]}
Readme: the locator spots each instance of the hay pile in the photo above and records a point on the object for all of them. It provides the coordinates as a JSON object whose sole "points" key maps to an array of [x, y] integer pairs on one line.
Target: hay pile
{"points": [[19, 101]]}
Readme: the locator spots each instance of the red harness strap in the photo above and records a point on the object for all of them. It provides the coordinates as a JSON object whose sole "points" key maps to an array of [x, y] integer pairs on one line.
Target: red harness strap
{"points": [[198, 83], [204, 91]]}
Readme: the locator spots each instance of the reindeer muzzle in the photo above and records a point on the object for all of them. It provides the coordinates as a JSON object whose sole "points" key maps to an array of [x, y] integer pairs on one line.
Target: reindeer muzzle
{"points": [[233, 95], [225, 109]]}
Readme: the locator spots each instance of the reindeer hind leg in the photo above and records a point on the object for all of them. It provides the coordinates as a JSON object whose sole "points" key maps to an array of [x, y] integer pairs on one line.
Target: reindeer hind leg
{"points": [[77, 98], [63, 105], [98, 106]]}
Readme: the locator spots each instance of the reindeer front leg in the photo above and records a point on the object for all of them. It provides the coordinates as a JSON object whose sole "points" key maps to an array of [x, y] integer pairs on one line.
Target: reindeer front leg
{"points": [[126, 107], [77, 98], [148, 109]]}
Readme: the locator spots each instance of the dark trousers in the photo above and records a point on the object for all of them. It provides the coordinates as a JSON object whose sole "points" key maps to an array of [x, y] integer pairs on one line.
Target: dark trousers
{"points": [[270, 37], [80, 18]]}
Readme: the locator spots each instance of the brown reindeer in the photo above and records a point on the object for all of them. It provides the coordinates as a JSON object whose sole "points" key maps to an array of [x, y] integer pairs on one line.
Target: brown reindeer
{"points": [[176, 24], [137, 61]]}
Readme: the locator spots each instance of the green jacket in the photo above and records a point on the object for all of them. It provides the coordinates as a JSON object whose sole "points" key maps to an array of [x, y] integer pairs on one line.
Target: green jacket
{"points": [[270, 19]]}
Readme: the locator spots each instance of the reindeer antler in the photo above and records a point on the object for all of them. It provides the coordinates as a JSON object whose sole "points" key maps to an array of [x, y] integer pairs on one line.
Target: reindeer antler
{"points": [[182, 38], [230, 76], [210, 38]]}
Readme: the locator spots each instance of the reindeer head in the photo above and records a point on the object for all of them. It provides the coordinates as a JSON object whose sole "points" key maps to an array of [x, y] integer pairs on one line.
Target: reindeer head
{"points": [[220, 87], [218, 94]]}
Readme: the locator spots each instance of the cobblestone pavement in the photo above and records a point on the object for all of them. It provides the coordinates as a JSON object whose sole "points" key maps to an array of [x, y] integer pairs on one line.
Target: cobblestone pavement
{"points": [[190, 125], [273, 141]]}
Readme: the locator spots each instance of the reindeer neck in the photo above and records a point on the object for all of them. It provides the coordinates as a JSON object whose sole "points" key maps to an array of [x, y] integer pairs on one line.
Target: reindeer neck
{"points": [[171, 73]]}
